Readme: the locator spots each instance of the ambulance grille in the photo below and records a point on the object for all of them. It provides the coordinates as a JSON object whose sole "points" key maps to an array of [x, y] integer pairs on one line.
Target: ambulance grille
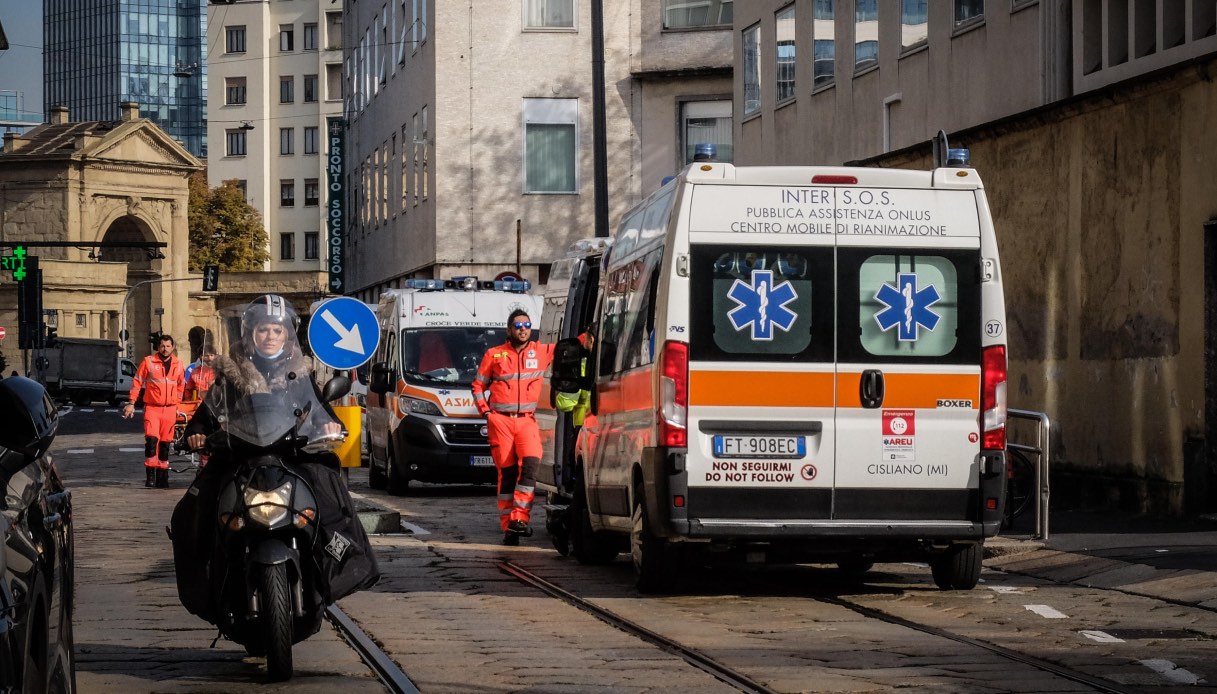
{"points": [[464, 434]]}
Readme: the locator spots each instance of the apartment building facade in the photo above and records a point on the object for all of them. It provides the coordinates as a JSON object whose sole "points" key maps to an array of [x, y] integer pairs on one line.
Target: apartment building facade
{"points": [[276, 77], [470, 133], [1090, 123]]}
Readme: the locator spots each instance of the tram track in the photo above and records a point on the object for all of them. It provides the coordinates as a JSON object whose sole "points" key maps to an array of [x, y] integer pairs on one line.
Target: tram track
{"points": [[744, 683], [387, 671]]}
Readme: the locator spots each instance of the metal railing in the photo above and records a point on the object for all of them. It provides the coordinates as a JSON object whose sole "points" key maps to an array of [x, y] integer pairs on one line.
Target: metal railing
{"points": [[1042, 465]]}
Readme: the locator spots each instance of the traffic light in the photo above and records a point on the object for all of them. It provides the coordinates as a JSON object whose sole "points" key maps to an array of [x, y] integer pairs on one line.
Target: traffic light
{"points": [[29, 306], [211, 278], [52, 337]]}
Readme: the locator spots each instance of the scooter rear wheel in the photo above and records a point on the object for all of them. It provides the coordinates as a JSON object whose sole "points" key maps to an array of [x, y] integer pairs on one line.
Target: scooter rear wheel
{"points": [[276, 621]]}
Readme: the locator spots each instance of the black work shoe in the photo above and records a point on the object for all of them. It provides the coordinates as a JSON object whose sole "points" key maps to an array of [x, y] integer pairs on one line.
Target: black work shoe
{"points": [[519, 527], [162, 478], [150, 480], [511, 539]]}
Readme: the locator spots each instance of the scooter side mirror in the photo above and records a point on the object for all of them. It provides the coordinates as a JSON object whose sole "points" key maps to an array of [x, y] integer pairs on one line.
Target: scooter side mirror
{"points": [[335, 388], [31, 421]]}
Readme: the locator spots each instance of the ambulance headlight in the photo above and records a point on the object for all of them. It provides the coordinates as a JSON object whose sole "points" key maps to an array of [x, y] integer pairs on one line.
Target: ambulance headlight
{"points": [[417, 406]]}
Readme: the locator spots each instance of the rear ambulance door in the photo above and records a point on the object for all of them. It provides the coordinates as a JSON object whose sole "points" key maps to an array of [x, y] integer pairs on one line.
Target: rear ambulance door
{"points": [[908, 351], [761, 372]]}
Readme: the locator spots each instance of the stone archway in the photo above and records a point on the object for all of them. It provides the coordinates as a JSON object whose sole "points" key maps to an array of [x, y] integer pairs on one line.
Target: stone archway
{"points": [[141, 275]]}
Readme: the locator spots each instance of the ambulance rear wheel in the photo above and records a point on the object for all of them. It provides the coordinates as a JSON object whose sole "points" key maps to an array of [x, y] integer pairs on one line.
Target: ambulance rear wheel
{"points": [[655, 561], [377, 479], [587, 545], [395, 482], [959, 567]]}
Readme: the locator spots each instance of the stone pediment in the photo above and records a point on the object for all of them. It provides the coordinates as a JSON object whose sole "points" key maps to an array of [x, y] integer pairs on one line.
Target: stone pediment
{"points": [[141, 142]]}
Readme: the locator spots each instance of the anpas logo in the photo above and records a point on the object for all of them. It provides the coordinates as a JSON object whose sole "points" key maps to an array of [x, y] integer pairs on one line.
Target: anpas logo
{"points": [[906, 307], [762, 305]]}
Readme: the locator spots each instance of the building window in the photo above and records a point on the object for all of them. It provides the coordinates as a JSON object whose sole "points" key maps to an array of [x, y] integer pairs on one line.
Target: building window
{"points": [[310, 36], [287, 246], [752, 69], [425, 136], [234, 91], [311, 139], [418, 27], [243, 186], [405, 170], [550, 132], [823, 28], [234, 39], [866, 33], [310, 88], [333, 31], [312, 245], [706, 123], [333, 81], [82, 320], [236, 143], [785, 54], [287, 193], [312, 192], [967, 11], [287, 140], [287, 38], [686, 14], [914, 23], [549, 14], [287, 90]]}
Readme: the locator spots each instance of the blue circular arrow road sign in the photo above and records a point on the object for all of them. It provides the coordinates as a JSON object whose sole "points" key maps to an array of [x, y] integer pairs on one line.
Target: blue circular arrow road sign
{"points": [[343, 333]]}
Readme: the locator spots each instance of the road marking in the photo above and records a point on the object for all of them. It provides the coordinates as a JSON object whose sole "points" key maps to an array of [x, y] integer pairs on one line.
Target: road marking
{"points": [[130, 450], [79, 450], [1172, 672], [112, 409], [1100, 636], [414, 529], [86, 409], [1161, 551], [1047, 612], [1006, 590]]}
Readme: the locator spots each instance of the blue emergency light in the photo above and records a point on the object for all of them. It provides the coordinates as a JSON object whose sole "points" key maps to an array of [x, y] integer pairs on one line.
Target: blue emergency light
{"points": [[959, 157]]}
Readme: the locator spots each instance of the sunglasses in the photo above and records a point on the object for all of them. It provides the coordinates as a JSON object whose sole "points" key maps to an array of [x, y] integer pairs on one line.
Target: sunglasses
{"points": [[526, 324]]}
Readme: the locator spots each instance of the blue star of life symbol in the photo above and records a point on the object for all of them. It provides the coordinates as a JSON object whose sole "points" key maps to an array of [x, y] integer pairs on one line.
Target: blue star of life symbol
{"points": [[762, 305], [907, 308]]}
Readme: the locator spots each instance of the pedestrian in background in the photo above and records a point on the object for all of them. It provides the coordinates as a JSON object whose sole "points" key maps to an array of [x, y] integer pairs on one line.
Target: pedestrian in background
{"points": [[202, 374], [161, 379]]}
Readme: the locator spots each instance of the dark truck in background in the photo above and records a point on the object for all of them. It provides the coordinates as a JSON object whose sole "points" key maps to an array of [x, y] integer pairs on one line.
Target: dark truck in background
{"points": [[82, 370]]}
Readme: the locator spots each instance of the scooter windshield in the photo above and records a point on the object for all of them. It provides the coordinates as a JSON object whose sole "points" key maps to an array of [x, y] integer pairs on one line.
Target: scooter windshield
{"points": [[262, 419]]}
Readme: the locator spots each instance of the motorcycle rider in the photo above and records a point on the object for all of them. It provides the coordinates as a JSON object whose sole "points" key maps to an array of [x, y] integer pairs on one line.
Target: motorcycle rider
{"points": [[267, 359]]}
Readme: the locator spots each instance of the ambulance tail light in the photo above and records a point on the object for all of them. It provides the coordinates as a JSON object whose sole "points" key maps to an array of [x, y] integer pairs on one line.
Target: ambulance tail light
{"points": [[834, 180], [993, 397], [673, 411]]}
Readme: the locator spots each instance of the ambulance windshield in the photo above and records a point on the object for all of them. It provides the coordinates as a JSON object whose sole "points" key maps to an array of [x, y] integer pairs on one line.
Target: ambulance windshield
{"points": [[451, 356]]}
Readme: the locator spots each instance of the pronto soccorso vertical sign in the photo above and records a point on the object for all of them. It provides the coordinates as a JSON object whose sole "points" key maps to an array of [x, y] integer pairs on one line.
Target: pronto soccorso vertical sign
{"points": [[335, 172]]}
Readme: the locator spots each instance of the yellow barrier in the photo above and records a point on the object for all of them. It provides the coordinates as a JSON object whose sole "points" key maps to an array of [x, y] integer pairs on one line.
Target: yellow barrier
{"points": [[349, 451]]}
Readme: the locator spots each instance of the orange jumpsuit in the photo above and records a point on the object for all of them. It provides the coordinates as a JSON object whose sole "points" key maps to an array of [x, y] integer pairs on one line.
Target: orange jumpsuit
{"points": [[201, 378], [162, 392], [505, 390]]}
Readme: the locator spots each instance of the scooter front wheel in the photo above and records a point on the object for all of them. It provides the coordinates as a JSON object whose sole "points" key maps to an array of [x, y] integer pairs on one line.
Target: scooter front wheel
{"points": [[276, 621]]}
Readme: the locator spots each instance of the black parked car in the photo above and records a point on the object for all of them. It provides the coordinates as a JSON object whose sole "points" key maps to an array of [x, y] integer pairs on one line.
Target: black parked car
{"points": [[36, 592]]}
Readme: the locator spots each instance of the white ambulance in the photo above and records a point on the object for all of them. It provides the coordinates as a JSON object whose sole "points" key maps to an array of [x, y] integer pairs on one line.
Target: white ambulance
{"points": [[421, 420], [794, 363]]}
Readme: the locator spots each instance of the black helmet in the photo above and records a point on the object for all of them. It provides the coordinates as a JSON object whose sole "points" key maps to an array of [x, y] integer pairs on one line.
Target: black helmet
{"points": [[268, 308]]}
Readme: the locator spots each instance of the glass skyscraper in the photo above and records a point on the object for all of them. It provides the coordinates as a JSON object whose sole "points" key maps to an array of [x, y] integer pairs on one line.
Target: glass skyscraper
{"points": [[100, 53]]}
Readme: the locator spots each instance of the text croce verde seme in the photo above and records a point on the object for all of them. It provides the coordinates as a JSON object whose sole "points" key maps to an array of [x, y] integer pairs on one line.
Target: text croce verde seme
{"points": [[856, 212]]}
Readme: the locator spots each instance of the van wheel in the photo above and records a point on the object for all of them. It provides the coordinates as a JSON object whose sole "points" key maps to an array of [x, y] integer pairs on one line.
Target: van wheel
{"points": [[655, 561], [587, 545], [557, 523], [376, 478], [82, 399], [397, 483], [959, 567]]}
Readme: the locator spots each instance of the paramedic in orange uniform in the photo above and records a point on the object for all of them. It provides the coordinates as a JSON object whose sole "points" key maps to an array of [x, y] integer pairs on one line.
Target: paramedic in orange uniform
{"points": [[202, 376], [162, 379], [505, 390]]}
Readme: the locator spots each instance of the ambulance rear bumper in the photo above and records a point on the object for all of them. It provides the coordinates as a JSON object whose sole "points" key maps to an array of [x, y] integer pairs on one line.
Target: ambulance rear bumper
{"points": [[932, 531]]}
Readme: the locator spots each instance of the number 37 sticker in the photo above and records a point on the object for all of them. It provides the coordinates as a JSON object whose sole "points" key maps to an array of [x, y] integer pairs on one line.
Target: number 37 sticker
{"points": [[993, 328]]}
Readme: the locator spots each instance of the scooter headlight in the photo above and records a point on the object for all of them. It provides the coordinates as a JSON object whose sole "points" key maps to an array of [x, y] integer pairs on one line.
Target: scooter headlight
{"points": [[269, 508]]}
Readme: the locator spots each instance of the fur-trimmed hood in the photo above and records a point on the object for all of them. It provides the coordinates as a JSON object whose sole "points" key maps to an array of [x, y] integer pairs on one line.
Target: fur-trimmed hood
{"points": [[246, 379]]}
